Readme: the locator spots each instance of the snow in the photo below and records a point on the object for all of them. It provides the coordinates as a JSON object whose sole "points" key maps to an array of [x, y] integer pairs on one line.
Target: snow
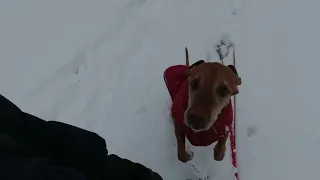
{"points": [[279, 64], [99, 65]]}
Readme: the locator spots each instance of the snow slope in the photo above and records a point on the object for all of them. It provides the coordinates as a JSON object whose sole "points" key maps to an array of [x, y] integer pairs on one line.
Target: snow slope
{"points": [[278, 129], [99, 64]]}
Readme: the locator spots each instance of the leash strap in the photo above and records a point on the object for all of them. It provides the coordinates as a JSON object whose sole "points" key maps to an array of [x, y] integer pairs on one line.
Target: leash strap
{"points": [[232, 130], [231, 127]]}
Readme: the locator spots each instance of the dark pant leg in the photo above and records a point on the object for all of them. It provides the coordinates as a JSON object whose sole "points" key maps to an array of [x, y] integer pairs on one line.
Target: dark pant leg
{"points": [[66, 145], [34, 134]]}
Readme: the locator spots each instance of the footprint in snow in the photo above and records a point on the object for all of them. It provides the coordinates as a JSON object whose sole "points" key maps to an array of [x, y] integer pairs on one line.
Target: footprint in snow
{"points": [[141, 110], [252, 130], [237, 4], [77, 64]]}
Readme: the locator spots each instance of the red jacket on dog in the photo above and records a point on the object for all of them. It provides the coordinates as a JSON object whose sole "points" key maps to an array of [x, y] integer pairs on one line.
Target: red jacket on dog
{"points": [[177, 85]]}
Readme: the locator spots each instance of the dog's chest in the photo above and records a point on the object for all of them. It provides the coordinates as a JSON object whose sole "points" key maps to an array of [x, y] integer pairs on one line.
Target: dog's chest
{"points": [[218, 130]]}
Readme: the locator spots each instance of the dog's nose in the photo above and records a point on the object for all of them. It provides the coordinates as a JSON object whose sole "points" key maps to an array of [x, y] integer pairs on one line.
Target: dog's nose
{"points": [[196, 119]]}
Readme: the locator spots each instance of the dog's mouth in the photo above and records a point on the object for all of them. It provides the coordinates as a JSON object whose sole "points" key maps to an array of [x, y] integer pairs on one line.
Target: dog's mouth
{"points": [[198, 124], [199, 129]]}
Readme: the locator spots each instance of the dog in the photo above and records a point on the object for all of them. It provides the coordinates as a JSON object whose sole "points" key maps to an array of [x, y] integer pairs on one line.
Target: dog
{"points": [[201, 104]]}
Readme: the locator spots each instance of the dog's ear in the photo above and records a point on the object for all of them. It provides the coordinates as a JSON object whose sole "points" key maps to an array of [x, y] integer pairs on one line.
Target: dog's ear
{"points": [[196, 64], [189, 70], [234, 70]]}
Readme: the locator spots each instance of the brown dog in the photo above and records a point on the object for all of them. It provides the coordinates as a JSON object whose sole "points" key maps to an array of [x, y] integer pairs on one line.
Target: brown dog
{"points": [[201, 106]]}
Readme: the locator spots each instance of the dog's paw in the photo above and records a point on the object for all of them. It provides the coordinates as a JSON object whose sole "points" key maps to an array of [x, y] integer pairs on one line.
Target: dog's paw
{"points": [[185, 156], [219, 153], [189, 152], [190, 155]]}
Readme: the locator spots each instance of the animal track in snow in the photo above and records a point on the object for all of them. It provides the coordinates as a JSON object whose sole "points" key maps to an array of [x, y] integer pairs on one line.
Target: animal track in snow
{"points": [[223, 47], [252, 130], [236, 6], [77, 63]]}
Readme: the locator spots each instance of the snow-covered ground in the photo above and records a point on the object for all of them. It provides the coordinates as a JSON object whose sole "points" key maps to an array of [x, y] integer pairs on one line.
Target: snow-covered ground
{"points": [[98, 65]]}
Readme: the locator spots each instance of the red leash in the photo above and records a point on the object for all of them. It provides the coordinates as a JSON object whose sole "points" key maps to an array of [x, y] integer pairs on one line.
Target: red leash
{"points": [[232, 127], [232, 130]]}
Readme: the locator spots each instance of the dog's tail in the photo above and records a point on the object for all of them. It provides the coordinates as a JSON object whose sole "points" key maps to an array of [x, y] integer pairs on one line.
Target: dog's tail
{"points": [[187, 56]]}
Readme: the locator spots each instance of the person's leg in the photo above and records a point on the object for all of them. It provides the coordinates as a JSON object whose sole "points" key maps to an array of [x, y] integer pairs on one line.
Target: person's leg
{"points": [[66, 145], [42, 137], [34, 134]]}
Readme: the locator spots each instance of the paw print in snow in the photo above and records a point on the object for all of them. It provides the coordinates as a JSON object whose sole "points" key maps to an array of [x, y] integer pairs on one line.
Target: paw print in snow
{"points": [[252, 130], [223, 47], [141, 110]]}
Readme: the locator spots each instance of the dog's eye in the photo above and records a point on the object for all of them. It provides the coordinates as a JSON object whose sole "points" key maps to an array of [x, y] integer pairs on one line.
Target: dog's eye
{"points": [[222, 91], [194, 84]]}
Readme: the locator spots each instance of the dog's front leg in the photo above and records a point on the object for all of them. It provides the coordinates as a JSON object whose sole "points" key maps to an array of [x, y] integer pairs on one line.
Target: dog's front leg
{"points": [[183, 155], [220, 148]]}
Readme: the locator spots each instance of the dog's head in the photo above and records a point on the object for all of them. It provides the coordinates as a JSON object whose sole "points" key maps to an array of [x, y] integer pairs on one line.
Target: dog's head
{"points": [[211, 85]]}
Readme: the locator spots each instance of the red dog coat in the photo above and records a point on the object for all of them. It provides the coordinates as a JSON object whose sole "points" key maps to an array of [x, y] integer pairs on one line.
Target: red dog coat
{"points": [[177, 85]]}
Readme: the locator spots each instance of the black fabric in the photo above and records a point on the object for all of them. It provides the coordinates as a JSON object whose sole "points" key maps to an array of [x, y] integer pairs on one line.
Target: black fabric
{"points": [[31, 148]]}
